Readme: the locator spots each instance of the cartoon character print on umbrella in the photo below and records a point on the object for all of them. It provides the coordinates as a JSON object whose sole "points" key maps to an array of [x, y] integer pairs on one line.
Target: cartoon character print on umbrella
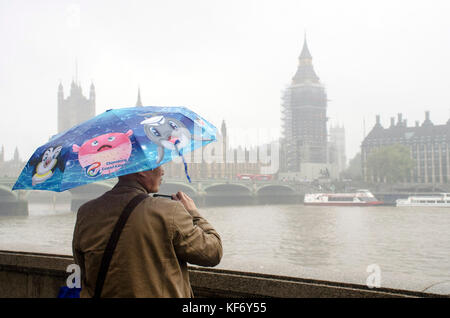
{"points": [[46, 164], [166, 132], [104, 154]]}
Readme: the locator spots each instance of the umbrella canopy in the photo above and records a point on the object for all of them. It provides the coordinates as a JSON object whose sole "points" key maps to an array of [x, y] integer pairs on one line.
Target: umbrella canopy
{"points": [[114, 143]]}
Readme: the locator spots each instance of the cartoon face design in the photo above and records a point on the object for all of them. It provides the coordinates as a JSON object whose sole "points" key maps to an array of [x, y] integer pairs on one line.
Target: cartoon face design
{"points": [[104, 154], [46, 166], [166, 132]]}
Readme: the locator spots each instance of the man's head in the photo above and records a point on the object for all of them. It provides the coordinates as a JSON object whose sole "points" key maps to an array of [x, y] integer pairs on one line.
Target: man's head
{"points": [[150, 179]]}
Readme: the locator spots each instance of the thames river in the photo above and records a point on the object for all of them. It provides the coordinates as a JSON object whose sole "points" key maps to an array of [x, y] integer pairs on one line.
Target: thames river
{"points": [[409, 246]]}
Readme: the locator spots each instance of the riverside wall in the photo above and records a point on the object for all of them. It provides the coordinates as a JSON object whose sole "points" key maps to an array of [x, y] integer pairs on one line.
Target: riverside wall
{"points": [[41, 275]]}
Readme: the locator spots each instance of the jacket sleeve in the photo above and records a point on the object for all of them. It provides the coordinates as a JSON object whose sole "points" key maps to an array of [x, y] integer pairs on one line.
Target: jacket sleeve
{"points": [[195, 240], [78, 256]]}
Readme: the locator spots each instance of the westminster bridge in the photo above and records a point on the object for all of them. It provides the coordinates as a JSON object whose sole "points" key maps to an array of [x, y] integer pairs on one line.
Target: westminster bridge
{"points": [[207, 192], [211, 192]]}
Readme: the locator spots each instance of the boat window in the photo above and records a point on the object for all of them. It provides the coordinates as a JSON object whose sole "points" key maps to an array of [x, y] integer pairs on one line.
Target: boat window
{"points": [[337, 199]]}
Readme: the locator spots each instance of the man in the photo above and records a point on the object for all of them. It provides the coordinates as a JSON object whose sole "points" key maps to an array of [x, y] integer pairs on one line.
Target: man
{"points": [[160, 237]]}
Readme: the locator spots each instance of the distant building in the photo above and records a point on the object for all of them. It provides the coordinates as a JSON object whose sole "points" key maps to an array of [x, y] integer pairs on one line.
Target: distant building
{"points": [[10, 168], [305, 152], [429, 145], [75, 108], [337, 151]]}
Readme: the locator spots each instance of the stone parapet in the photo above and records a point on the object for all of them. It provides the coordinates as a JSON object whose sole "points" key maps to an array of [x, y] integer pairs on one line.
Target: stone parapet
{"points": [[41, 275]]}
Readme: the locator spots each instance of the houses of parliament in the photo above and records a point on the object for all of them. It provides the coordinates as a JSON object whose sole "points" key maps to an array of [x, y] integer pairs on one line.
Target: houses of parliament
{"points": [[76, 108], [307, 150]]}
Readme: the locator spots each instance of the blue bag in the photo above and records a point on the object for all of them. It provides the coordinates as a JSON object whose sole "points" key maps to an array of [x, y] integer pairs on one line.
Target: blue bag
{"points": [[66, 292]]}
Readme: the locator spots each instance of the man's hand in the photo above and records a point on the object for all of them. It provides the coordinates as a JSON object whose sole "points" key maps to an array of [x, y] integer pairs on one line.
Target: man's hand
{"points": [[188, 203]]}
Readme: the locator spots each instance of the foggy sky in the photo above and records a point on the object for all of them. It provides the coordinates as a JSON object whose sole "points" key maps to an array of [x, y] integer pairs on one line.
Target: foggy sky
{"points": [[223, 59]]}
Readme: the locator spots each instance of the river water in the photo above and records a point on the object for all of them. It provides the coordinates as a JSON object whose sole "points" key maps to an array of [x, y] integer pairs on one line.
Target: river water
{"points": [[409, 246]]}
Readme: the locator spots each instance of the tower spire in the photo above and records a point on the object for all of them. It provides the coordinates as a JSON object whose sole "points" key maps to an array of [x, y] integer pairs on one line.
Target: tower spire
{"points": [[223, 129], [16, 155], [305, 51], [139, 102], [92, 92], [305, 71], [60, 93]]}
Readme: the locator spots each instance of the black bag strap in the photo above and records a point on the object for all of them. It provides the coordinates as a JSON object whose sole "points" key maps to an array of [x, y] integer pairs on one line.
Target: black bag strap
{"points": [[114, 238]]}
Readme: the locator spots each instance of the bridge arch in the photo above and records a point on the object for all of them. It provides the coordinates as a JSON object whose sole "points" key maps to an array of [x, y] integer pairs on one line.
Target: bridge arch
{"points": [[228, 194], [276, 189], [35, 196], [10, 202], [6, 194], [277, 194], [174, 187], [228, 189]]}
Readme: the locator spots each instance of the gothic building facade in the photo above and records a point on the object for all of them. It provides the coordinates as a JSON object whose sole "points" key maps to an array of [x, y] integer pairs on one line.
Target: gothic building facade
{"points": [[76, 108], [305, 146], [429, 146], [10, 168]]}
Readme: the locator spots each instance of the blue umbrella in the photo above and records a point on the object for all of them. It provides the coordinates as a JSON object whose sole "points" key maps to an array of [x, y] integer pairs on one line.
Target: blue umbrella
{"points": [[114, 143]]}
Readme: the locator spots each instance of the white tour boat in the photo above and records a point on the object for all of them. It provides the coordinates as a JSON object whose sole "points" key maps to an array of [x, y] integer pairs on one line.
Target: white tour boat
{"points": [[432, 200], [358, 198]]}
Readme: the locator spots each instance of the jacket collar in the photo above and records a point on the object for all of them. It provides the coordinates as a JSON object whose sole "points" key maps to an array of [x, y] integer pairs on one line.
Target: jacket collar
{"points": [[130, 184]]}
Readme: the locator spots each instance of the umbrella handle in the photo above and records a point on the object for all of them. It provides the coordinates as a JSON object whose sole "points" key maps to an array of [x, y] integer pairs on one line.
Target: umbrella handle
{"points": [[184, 162], [163, 195]]}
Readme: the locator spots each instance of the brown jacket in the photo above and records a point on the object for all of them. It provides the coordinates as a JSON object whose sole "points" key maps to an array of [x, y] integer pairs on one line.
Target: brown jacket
{"points": [[158, 240]]}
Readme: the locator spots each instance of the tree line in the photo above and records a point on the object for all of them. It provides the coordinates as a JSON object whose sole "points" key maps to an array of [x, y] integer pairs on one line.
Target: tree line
{"points": [[389, 164]]}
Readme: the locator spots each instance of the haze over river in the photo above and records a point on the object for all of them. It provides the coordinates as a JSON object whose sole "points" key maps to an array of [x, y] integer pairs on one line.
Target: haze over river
{"points": [[411, 246]]}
